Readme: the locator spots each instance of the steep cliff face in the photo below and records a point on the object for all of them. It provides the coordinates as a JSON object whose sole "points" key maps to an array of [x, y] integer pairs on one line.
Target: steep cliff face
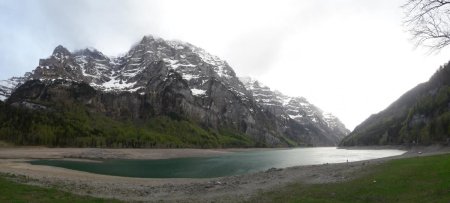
{"points": [[421, 116], [157, 78]]}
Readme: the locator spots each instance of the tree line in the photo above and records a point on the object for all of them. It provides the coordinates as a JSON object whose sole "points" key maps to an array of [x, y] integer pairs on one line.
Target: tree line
{"points": [[74, 126]]}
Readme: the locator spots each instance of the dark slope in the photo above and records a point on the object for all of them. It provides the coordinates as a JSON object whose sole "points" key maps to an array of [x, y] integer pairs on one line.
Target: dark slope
{"points": [[420, 116]]}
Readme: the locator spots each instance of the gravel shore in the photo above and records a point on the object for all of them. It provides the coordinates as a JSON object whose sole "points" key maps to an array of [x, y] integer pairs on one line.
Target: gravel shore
{"points": [[225, 189]]}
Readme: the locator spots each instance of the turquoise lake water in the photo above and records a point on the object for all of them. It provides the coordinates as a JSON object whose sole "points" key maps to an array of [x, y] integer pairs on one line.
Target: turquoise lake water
{"points": [[230, 164]]}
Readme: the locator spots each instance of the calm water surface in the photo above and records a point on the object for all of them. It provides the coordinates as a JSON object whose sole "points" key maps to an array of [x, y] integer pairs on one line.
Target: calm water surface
{"points": [[226, 165]]}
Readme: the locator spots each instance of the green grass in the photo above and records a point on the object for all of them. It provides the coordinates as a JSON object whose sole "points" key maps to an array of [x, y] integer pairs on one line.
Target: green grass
{"points": [[15, 192], [421, 179]]}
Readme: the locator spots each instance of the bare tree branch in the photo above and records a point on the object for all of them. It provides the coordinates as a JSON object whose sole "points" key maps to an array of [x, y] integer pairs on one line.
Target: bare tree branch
{"points": [[428, 22]]}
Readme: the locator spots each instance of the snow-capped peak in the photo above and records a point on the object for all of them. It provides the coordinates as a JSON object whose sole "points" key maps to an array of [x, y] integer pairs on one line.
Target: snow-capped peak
{"points": [[131, 71]]}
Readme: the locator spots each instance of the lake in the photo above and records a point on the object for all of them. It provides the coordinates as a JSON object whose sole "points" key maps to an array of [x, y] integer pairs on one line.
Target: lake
{"points": [[236, 163]]}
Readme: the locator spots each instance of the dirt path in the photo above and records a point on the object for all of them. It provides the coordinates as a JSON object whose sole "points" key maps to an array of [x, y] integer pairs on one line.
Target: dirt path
{"points": [[233, 188]]}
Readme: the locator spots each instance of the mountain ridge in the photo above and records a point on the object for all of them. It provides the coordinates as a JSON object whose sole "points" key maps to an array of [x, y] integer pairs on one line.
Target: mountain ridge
{"points": [[157, 78]]}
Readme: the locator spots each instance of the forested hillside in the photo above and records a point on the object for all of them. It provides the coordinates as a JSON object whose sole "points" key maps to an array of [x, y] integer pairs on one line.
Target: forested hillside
{"points": [[419, 117], [74, 126]]}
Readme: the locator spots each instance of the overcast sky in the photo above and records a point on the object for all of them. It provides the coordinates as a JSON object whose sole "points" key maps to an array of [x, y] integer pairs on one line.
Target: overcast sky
{"points": [[349, 57]]}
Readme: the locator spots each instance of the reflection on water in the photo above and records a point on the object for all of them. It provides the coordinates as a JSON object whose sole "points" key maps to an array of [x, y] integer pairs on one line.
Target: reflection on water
{"points": [[230, 164]]}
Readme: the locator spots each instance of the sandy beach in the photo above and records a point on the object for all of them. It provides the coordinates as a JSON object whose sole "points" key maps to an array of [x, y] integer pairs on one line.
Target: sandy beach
{"points": [[224, 189]]}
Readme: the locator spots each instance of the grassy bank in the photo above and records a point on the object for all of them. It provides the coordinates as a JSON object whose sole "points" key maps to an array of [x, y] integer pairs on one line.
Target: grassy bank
{"points": [[15, 192], [421, 179]]}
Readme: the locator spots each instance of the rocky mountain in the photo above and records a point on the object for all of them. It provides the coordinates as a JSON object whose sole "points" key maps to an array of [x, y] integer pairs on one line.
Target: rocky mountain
{"points": [[158, 79], [421, 116], [286, 108], [8, 86]]}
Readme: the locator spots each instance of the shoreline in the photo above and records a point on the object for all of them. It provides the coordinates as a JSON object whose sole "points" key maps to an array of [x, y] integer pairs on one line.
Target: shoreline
{"points": [[223, 189], [110, 153]]}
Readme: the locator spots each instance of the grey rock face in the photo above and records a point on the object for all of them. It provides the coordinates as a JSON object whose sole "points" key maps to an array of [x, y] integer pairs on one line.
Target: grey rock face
{"points": [[159, 77]]}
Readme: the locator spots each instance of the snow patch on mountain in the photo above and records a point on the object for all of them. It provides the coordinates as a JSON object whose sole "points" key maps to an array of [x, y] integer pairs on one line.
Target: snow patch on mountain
{"points": [[187, 76], [117, 84], [198, 92], [219, 65]]}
